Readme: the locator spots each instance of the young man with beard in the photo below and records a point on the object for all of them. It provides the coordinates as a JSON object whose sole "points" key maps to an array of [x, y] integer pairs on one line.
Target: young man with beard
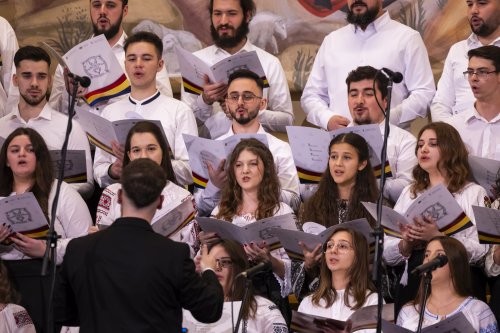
{"points": [[371, 38], [106, 17], [142, 61], [364, 85], [453, 94], [32, 79], [244, 99], [229, 30]]}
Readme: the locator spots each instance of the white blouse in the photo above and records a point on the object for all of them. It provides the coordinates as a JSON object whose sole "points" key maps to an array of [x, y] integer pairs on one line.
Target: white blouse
{"points": [[244, 220], [73, 220], [471, 194], [477, 313], [338, 310], [15, 319], [109, 210]]}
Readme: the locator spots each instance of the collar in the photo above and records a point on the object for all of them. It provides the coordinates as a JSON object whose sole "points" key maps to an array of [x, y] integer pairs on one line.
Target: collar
{"points": [[121, 41], [133, 222], [471, 114], [246, 48], [473, 42], [376, 25], [46, 113], [146, 100], [259, 131]]}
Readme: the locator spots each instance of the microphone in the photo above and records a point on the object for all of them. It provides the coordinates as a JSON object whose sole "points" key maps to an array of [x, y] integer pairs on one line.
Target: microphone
{"points": [[435, 263], [396, 77], [83, 80], [260, 267]]}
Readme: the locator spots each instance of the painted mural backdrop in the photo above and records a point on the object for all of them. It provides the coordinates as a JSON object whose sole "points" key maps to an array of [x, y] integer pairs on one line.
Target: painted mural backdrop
{"points": [[290, 29]]}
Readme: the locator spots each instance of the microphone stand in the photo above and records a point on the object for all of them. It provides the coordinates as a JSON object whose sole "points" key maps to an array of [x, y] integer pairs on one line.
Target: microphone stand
{"points": [[378, 233], [50, 256], [248, 282], [427, 283]]}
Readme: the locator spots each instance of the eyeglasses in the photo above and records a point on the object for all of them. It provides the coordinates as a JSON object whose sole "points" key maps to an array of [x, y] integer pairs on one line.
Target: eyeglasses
{"points": [[247, 97], [481, 74], [223, 262], [342, 246]]}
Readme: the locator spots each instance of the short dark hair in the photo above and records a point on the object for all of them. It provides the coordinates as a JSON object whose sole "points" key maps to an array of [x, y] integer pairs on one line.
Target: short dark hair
{"points": [[246, 74], [147, 37], [143, 181], [246, 6], [31, 52], [490, 52], [368, 73]]}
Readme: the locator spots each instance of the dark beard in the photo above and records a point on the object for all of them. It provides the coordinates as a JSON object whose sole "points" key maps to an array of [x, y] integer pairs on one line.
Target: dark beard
{"points": [[364, 19], [245, 120], [111, 32], [484, 30], [225, 42]]}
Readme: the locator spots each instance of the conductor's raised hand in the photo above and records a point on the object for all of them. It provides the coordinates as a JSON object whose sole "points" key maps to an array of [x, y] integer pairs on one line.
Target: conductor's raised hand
{"points": [[207, 260]]}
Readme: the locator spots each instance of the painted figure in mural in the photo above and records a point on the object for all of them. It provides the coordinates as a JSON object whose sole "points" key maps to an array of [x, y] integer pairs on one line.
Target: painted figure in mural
{"points": [[229, 29], [107, 18], [453, 94]]}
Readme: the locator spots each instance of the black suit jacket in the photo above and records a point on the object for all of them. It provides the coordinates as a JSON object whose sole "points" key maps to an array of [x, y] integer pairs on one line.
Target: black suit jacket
{"points": [[128, 278]]}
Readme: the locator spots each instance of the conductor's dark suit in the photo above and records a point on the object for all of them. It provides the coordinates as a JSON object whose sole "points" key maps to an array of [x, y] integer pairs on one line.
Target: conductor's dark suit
{"points": [[127, 278]]}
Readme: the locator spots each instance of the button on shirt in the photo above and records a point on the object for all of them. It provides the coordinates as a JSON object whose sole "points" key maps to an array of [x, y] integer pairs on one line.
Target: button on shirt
{"points": [[384, 43], [481, 137], [454, 94]]}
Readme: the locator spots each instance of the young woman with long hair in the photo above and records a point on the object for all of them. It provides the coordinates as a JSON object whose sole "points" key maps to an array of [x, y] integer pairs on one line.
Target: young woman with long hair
{"points": [[347, 181], [344, 284], [259, 314], [145, 140], [450, 291], [252, 193], [25, 166], [442, 159]]}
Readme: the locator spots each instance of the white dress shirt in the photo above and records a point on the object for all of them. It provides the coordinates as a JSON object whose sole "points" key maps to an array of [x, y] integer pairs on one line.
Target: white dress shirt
{"points": [[338, 310], [477, 313], [72, 220], [453, 94], [176, 119], [51, 125], [207, 199], [279, 112], [471, 195], [384, 43], [59, 96], [9, 95], [109, 209], [482, 137]]}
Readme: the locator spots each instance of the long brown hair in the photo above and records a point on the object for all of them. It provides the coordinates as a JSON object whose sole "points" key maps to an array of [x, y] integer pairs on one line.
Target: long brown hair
{"points": [[7, 292], [454, 159], [44, 175], [269, 188], [322, 206], [149, 127], [459, 268], [239, 265], [359, 282]]}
